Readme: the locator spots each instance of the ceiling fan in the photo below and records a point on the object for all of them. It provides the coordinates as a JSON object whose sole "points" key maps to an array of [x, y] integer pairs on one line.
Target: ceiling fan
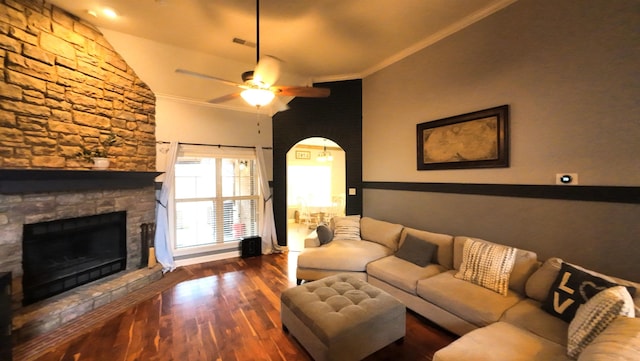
{"points": [[258, 84]]}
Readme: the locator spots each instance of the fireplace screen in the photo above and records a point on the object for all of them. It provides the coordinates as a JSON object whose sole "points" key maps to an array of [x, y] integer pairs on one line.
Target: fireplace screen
{"points": [[62, 254]]}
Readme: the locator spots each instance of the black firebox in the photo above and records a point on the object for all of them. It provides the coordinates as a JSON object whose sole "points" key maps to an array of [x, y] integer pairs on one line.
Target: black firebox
{"points": [[66, 253]]}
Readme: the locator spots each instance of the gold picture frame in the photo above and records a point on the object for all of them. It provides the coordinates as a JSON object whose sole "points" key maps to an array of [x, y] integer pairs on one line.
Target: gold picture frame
{"points": [[474, 140], [303, 154]]}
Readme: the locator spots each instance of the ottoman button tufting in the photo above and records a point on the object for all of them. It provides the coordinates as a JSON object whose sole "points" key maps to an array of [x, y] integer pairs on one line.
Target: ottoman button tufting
{"points": [[356, 296], [325, 292], [342, 317], [339, 302]]}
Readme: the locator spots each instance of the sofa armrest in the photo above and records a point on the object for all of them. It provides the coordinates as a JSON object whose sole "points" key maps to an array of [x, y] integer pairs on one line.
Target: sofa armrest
{"points": [[312, 240]]}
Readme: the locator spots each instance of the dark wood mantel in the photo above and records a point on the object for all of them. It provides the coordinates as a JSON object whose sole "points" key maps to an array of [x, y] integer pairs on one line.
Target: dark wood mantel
{"points": [[17, 181]]}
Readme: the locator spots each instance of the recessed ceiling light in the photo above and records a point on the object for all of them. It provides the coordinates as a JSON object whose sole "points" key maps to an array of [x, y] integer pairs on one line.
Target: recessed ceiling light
{"points": [[110, 13]]}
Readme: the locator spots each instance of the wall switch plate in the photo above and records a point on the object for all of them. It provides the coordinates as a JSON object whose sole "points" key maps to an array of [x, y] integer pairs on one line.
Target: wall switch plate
{"points": [[567, 178], [352, 191]]}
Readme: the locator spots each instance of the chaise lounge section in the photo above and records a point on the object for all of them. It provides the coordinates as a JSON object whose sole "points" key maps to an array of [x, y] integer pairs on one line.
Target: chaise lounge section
{"points": [[517, 321], [348, 252]]}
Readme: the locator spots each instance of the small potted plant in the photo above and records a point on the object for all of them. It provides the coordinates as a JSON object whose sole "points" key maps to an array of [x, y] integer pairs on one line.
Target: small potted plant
{"points": [[99, 153]]}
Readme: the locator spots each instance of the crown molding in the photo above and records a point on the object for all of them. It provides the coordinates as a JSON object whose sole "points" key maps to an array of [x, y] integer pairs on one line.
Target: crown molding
{"points": [[452, 29]]}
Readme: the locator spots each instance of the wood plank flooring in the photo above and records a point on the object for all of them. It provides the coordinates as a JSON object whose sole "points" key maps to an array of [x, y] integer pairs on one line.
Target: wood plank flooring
{"points": [[227, 311]]}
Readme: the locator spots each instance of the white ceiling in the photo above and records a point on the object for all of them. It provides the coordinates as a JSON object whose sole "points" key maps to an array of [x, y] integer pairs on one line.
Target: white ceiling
{"points": [[318, 40]]}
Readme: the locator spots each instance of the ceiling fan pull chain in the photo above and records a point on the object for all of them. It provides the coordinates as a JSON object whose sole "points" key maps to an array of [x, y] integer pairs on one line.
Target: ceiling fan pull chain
{"points": [[258, 118]]}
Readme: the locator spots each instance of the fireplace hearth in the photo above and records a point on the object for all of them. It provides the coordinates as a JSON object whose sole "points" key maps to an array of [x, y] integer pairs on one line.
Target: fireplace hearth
{"points": [[63, 254]]}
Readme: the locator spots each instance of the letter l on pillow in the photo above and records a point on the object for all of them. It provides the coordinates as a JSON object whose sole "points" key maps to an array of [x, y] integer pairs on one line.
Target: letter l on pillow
{"points": [[556, 296]]}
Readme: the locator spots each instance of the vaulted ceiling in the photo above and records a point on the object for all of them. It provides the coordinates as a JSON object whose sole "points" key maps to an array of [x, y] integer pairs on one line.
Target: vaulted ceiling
{"points": [[318, 40]]}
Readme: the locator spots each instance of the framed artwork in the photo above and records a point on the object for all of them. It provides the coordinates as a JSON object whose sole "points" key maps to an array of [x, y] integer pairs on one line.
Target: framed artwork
{"points": [[303, 154], [473, 140]]}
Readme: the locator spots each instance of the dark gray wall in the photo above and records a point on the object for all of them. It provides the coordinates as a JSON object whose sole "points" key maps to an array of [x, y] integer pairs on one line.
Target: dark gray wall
{"points": [[598, 235], [339, 118]]}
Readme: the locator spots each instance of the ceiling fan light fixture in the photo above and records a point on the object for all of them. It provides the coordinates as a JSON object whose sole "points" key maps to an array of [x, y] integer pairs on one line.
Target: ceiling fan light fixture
{"points": [[257, 97], [259, 83]]}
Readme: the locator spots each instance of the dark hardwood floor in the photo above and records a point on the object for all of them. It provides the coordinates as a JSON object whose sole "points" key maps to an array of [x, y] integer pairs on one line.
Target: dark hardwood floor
{"points": [[227, 310]]}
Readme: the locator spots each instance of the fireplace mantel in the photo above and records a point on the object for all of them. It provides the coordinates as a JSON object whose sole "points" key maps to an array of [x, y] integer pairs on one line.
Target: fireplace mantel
{"points": [[18, 181]]}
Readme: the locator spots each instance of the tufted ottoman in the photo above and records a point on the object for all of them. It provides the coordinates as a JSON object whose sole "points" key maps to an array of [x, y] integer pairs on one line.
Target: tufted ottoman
{"points": [[342, 317]]}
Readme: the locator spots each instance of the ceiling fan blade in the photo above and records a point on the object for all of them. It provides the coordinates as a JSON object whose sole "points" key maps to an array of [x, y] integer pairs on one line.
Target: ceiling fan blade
{"points": [[278, 105], [224, 98], [205, 76], [267, 71], [303, 91]]}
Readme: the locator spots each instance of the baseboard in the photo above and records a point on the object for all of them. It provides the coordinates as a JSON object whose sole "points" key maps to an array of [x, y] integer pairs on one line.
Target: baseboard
{"points": [[207, 258]]}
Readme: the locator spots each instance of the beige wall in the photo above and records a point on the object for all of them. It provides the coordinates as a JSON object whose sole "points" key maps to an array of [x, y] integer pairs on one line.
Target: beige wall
{"points": [[185, 122], [199, 123], [567, 69], [569, 72]]}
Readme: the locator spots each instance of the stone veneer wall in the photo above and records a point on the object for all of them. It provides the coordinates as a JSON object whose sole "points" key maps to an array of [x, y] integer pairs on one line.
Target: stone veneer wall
{"points": [[16, 210], [63, 86]]}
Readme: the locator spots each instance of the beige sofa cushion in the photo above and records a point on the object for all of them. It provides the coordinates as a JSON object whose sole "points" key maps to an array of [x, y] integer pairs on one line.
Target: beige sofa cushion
{"points": [[525, 265], [444, 255], [400, 273], [618, 342], [342, 255], [539, 284], [472, 303], [528, 315], [502, 342], [381, 232]]}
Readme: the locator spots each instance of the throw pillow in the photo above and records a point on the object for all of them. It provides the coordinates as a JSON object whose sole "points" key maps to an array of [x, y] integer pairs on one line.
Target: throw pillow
{"points": [[488, 265], [572, 288], [620, 341], [346, 228], [325, 234], [417, 251], [595, 315]]}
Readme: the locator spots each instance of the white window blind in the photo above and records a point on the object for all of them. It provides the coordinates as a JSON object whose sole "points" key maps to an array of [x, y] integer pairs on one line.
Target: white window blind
{"points": [[216, 196]]}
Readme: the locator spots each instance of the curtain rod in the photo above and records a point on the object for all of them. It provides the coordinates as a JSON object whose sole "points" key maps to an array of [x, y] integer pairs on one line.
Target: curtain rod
{"points": [[213, 145]]}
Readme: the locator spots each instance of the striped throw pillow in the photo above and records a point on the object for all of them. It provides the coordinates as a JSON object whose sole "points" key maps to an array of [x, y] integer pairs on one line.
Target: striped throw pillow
{"points": [[595, 316], [487, 264], [346, 228]]}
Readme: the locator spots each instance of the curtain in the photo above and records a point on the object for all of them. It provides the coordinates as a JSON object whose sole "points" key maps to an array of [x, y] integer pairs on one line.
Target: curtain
{"points": [[268, 233], [162, 239]]}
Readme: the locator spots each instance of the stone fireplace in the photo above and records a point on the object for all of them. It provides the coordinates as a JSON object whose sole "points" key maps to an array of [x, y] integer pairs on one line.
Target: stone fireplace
{"points": [[60, 255], [64, 88], [63, 195]]}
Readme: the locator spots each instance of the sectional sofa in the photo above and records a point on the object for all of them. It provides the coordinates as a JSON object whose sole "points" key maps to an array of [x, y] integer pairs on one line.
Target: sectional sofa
{"points": [[543, 310]]}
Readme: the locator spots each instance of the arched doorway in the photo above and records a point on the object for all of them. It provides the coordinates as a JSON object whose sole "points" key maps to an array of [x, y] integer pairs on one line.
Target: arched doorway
{"points": [[316, 183]]}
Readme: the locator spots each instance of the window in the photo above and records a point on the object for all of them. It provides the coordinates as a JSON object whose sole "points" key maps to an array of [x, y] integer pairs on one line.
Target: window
{"points": [[309, 183], [216, 197]]}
